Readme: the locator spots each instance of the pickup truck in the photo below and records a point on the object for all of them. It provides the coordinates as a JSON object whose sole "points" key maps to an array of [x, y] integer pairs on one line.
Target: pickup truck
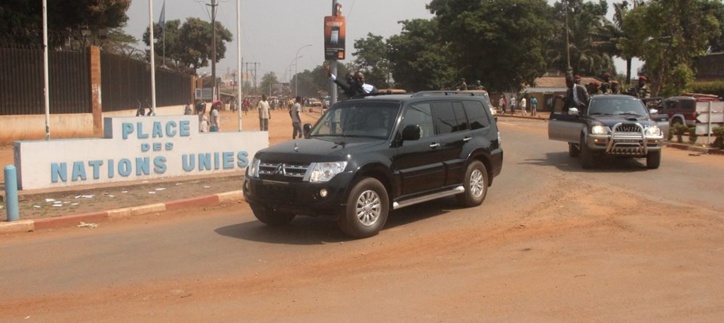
{"points": [[611, 125]]}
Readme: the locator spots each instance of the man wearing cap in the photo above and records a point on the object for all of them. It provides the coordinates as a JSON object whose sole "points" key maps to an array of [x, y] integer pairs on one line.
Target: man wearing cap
{"points": [[614, 87], [606, 84], [577, 79], [641, 90], [576, 95]]}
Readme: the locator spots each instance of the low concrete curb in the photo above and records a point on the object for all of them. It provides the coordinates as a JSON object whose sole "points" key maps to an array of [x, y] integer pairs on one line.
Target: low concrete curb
{"points": [[117, 214], [703, 150]]}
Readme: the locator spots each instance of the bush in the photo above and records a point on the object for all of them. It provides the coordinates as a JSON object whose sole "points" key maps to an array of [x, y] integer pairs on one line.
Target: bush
{"points": [[719, 134], [692, 135], [680, 130]]}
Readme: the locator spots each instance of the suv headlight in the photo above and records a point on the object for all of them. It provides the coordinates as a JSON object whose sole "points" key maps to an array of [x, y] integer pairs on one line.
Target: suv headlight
{"points": [[599, 130], [253, 169], [653, 131], [323, 172]]}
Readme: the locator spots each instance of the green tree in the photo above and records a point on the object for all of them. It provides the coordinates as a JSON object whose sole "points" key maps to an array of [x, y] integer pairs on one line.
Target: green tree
{"points": [[192, 48], [71, 24], [672, 33], [168, 38], [585, 23], [610, 37], [420, 59], [499, 42], [267, 81], [372, 60], [716, 8]]}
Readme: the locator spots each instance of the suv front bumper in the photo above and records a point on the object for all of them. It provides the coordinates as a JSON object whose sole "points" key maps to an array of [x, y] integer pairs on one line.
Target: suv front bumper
{"points": [[301, 198], [625, 143]]}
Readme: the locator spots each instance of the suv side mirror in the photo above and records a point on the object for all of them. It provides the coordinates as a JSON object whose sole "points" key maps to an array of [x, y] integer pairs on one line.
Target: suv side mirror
{"points": [[307, 129], [411, 132]]}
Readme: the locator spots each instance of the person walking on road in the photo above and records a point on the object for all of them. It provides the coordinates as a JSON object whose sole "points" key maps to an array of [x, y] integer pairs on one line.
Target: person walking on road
{"points": [[264, 115], [533, 106], [296, 118]]}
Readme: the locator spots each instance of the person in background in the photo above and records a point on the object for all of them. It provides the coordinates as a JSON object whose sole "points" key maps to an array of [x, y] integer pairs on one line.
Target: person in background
{"points": [[462, 86], [606, 84], [614, 87], [188, 110], [264, 115], [503, 104], [296, 118], [513, 104], [215, 116], [576, 96], [203, 119], [641, 90], [350, 88], [533, 106], [366, 88], [523, 106]]}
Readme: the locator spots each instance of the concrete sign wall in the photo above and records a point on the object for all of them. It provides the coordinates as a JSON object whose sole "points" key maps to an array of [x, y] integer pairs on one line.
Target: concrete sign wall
{"points": [[135, 148]]}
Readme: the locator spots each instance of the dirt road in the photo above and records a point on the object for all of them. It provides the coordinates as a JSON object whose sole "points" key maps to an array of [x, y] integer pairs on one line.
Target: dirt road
{"points": [[551, 243]]}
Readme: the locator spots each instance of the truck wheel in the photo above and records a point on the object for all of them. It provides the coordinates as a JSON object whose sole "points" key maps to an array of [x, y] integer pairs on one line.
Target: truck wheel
{"points": [[272, 218], [367, 209], [586, 155], [653, 159], [476, 185], [573, 150]]}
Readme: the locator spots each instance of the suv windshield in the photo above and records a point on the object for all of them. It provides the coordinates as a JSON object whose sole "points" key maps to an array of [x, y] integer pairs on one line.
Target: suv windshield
{"points": [[608, 105], [361, 118]]}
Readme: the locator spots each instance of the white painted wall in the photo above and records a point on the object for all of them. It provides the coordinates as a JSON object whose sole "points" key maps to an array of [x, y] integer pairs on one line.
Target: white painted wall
{"points": [[130, 144]]}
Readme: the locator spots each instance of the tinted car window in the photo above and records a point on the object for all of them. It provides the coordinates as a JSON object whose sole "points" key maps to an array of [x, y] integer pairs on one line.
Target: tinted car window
{"points": [[476, 114], [688, 104], [444, 117], [460, 116], [420, 114]]}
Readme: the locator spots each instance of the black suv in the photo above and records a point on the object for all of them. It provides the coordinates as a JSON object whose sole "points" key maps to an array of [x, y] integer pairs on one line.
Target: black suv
{"points": [[370, 155]]}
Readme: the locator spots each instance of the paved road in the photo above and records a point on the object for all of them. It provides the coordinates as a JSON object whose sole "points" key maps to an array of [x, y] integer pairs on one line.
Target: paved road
{"points": [[549, 243]]}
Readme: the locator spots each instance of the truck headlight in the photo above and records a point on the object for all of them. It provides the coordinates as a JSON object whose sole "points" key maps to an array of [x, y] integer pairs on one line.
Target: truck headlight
{"points": [[599, 130], [323, 172], [653, 131], [253, 169]]}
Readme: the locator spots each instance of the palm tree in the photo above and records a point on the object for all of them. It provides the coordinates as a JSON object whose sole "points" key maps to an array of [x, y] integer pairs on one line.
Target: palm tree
{"points": [[611, 39]]}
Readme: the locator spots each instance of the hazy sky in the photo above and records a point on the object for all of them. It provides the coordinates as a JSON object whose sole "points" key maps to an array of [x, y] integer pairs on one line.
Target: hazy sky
{"points": [[272, 31]]}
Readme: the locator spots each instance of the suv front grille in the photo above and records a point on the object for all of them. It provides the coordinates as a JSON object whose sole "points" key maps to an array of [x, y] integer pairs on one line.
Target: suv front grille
{"points": [[627, 139], [281, 169], [629, 128]]}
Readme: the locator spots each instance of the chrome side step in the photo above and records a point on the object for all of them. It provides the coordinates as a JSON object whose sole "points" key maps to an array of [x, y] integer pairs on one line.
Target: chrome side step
{"points": [[430, 197]]}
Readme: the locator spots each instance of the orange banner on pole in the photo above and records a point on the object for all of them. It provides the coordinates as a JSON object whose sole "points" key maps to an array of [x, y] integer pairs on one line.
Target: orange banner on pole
{"points": [[334, 37]]}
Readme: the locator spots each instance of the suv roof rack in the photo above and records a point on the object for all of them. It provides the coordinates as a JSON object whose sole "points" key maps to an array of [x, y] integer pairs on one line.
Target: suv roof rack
{"points": [[443, 92], [378, 93]]}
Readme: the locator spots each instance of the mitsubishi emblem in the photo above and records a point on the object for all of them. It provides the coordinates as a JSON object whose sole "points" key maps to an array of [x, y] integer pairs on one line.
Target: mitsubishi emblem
{"points": [[280, 170]]}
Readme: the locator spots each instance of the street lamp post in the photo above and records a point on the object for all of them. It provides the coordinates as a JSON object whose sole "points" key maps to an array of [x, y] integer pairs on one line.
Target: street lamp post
{"points": [[296, 70]]}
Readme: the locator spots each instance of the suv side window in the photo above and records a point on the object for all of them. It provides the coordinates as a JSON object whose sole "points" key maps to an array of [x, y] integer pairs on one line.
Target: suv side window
{"points": [[476, 115], [460, 116], [445, 121], [420, 114]]}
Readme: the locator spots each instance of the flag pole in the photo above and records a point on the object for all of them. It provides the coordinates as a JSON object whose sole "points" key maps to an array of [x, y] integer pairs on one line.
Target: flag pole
{"points": [[153, 59]]}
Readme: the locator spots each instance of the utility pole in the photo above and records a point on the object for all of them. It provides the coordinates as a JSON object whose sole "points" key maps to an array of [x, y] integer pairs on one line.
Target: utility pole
{"points": [[333, 64], [213, 6]]}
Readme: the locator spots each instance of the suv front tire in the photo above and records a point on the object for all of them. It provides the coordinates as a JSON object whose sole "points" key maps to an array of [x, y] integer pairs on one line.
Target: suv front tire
{"points": [[367, 209]]}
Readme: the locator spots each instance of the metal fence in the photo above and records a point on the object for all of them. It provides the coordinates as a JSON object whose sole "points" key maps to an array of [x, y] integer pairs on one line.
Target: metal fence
{"points": [[21, 81], [124, 82]]}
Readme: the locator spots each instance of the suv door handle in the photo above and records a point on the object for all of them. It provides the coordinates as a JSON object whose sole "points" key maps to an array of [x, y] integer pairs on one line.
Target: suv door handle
{"points": [[434, 145], [466, 139]]}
